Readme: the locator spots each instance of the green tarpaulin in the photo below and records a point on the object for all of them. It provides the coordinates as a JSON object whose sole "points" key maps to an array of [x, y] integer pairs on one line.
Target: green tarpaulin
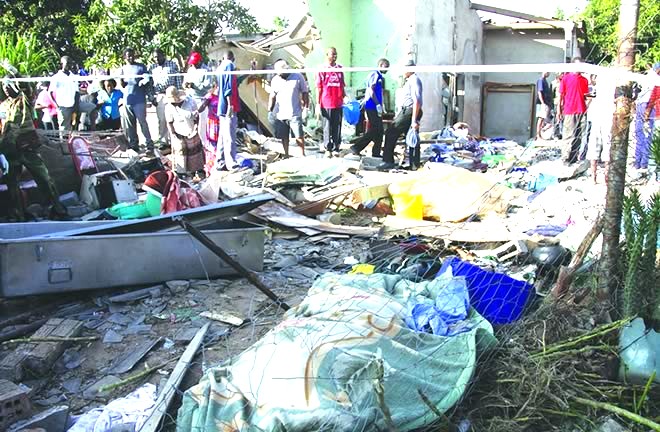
{"points": [[339, 361]]}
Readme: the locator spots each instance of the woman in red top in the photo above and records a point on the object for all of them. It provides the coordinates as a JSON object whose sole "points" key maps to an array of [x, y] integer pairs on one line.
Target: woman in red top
{"points": [[330, 86]]}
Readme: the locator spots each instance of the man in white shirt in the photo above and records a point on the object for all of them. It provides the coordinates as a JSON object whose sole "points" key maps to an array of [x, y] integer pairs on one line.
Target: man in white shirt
{"points": [[289, 95], [64, 90]]}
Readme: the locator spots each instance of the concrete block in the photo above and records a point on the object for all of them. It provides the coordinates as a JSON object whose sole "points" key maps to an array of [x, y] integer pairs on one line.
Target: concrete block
{"points": [[14, 403]]}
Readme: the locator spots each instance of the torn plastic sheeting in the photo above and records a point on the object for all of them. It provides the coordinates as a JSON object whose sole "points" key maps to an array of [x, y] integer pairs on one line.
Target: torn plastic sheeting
{"points": [[131, 410], [445, 315]]}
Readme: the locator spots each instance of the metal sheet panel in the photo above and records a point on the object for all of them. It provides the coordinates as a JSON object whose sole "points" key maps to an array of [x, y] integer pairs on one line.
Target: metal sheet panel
{"points": [[40, 265]]}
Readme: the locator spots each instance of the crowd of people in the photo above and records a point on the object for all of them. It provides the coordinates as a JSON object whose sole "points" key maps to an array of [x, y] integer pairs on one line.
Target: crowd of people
{"points": [[197, 113], [580, 111]]}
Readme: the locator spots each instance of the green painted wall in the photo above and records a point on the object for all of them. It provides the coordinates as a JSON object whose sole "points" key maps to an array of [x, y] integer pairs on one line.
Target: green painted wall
{"points": [[363, 31]]}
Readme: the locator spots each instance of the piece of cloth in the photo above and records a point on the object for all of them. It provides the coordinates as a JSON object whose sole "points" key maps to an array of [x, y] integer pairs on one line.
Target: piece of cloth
{"points": [[373, 134], [197, 81], [187, 150], [331, 119], [177, 195], [573, 88], [642, 136], [64, 88], [654, 101], [574, 127], [399, 126], [601, 112], [412, 91], [130, 411], [45, 99], [19, 143], [131, 117], [228, 88], [226, 151], [543, 111], [374, 82], [135, 93], [543, 87], [284, 128], [444, 315], [162, 78], [330, 86], [288, 95], [320, 368], [110, 104]]}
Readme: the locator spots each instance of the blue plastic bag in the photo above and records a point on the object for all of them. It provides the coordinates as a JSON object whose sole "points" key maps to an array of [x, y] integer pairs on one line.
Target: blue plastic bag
{"points": [[412, 138], [443, 316], [352, 112]]}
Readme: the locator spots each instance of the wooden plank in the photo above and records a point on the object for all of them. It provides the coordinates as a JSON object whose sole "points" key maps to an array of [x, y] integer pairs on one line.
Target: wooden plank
{"points": [[463, 232], [172, 384], [509, 13]]}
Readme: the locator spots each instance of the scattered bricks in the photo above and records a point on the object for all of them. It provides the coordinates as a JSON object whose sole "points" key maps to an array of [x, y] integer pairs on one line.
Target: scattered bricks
{"points": [[41, 358], [38, 357], [52, 420], [14, 403]]}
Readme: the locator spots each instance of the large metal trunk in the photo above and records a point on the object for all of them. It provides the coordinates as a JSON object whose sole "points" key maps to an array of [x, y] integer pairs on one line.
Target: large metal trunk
{"points": [[41, 258]]}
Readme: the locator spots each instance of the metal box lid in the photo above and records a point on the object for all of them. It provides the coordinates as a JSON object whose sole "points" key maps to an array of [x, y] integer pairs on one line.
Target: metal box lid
{"points": [[198, 216]]}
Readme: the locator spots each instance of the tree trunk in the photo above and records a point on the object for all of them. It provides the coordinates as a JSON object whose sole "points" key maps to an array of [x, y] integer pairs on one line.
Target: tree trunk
{"points": [[610, 271]]}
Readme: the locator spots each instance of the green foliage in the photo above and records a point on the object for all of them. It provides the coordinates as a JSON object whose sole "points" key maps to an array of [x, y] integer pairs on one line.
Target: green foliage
{"points": [[601, 18], [51, 20], [280, 23], [27, 53], [640, 224], [175, 26]]}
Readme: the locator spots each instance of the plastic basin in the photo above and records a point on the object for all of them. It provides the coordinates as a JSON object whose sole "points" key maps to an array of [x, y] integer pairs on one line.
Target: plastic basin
{"points": [[129, 210], [497, 297], [153, 204]]}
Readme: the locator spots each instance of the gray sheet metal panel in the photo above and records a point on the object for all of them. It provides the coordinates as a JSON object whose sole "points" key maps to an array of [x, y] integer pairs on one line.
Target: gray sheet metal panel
{"points": [[31, 229], [41, 265]]}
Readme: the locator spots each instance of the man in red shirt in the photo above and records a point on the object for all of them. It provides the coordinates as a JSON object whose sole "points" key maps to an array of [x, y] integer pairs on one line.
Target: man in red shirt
{"points": [[654, 102], [572, 107], [330, 89]]}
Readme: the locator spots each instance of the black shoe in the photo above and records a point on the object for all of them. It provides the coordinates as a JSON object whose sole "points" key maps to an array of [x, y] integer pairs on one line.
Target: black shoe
{"points": [[354, 151], [386, 166]]}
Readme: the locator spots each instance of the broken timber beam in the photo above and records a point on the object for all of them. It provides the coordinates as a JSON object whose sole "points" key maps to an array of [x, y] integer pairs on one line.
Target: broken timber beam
{"points": [[249, 275], [567, 273], [172, 384]]}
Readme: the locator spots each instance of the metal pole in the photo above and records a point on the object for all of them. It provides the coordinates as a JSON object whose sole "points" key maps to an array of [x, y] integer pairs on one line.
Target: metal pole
{"points": [[249, 275], [610, 271]]}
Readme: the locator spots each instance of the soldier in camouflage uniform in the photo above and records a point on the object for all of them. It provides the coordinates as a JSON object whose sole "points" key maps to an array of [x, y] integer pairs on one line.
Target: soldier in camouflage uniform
{"points": [[19, 143]]}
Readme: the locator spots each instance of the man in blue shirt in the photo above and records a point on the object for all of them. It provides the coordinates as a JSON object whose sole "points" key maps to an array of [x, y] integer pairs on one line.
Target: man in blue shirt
{"points": [[373, 107], [135, 82], [544, 103]]}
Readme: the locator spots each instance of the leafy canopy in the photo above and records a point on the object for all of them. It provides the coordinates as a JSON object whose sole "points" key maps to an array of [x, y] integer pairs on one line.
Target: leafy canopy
{"points": [[26, 53], [601, 18], [175, 26], [50, 20]]}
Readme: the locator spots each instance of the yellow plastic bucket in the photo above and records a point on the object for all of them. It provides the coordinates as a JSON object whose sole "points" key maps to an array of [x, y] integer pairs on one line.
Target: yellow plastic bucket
{"points": [[407, 204]]}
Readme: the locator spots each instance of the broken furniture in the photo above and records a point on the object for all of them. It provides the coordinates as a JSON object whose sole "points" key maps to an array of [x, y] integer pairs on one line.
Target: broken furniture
{"points": [[42, 258]]}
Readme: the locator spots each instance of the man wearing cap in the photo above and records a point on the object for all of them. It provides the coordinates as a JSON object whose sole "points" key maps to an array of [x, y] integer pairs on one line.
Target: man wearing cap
{"points": [[64, 90], [288, 96], [228, 107], [373, 107], [19, 145], [330, 88], [135, 82], [408, 116], [161, 72]]}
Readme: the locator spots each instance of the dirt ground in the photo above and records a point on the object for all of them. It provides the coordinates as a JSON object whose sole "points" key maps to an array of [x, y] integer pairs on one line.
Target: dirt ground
{"points": [[172, 318]]}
